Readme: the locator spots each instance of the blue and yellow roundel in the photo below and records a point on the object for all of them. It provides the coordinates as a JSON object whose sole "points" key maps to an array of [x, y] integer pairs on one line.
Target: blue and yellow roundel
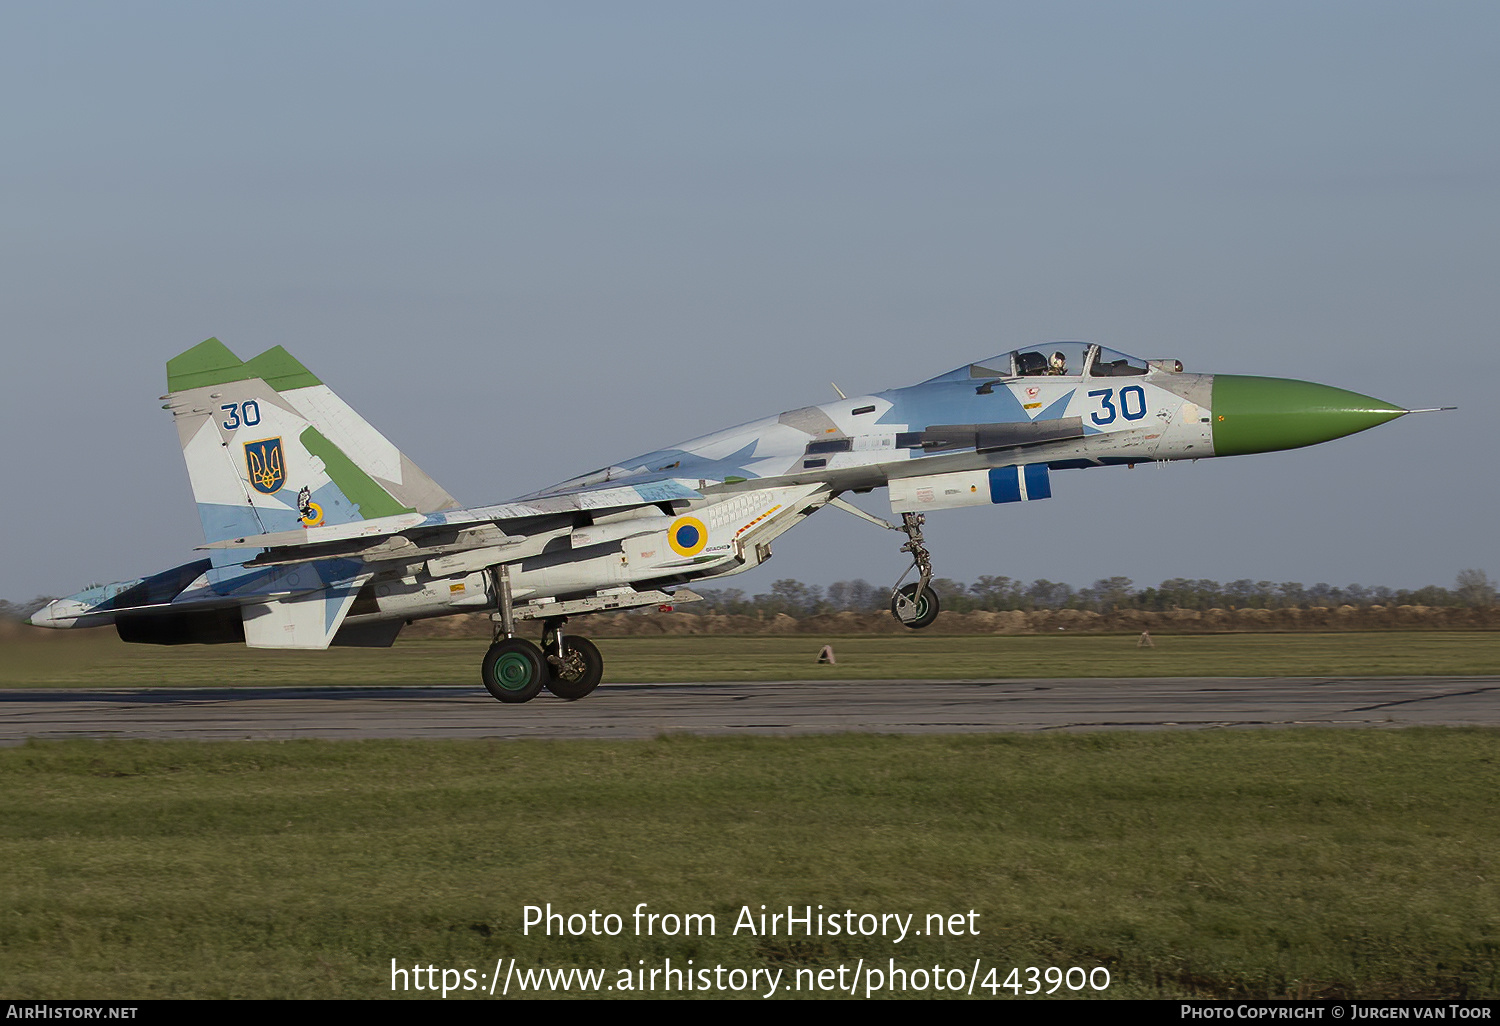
{"points": [[313, 517], [687, 536]]}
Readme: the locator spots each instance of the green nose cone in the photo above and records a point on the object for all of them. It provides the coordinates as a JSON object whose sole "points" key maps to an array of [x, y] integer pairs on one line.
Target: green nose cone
{"points": [[1266, 414]]}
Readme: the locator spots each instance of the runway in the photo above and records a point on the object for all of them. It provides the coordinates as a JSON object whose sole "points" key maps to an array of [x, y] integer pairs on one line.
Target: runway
{"points": [[774, 708]]}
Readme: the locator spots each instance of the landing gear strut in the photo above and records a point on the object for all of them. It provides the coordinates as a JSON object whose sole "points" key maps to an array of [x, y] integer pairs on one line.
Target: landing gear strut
{"points": [[515, 670], [915, 605]]}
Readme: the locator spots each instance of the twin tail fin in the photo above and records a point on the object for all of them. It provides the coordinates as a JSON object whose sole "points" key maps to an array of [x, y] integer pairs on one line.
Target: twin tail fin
{"points": [[269, 448]]}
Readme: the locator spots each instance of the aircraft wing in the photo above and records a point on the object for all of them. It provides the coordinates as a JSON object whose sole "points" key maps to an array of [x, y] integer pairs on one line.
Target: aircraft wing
{"points": [[408, 535]]}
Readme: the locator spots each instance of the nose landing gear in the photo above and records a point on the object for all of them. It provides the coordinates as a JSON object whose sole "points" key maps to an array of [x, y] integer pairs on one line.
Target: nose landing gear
{"points": [[915, 605]]}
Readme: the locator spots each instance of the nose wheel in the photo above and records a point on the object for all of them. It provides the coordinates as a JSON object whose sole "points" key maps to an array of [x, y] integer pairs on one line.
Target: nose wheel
{"points": [[915, 605]]}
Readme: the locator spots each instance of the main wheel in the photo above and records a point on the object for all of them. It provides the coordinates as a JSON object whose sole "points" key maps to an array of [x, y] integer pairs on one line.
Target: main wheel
{"points": [[581, 669], [514, 671], [927, 607]]}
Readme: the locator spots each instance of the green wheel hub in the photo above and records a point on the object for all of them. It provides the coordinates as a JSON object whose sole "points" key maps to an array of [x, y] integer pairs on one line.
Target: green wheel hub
{"points": [[513, 671]]}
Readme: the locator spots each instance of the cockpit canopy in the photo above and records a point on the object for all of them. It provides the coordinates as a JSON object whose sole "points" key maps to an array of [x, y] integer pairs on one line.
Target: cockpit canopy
{"points": [[1057, 359]]}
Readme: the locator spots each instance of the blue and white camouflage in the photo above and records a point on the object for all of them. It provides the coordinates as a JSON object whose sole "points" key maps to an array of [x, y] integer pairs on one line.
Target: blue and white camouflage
{"points": [[318, 531]]}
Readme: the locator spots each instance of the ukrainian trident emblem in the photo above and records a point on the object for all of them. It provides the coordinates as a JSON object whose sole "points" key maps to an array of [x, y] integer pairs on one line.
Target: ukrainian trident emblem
{"points": [[264, 461]]}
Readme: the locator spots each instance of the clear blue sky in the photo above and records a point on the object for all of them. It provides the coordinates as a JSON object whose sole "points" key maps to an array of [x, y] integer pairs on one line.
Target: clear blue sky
{"points": [[529, 240]]}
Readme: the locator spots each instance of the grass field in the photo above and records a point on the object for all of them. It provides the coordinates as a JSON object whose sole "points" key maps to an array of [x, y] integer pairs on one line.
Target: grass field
{"points": [[1235, 864], [1208, 864], [103, 661]]}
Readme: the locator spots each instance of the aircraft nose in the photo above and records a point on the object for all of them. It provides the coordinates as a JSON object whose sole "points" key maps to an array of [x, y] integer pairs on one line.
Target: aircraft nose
{"points": [[1254, 414]]}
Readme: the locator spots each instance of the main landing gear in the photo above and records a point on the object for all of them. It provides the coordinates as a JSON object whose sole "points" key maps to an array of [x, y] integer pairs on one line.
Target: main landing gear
{"points": [[567, 665], [913, 605], [574, 662], [515, 670]]}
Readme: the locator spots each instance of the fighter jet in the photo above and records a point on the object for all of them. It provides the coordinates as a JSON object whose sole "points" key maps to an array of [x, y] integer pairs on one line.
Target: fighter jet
{"points": [[321, 532]]}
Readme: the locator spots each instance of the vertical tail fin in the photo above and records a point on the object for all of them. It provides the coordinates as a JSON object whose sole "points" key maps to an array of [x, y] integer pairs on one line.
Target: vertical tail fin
{"points": [[269, 447]]}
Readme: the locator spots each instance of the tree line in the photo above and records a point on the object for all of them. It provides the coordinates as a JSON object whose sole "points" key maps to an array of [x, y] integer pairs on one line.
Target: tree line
{"points": [[1473, 588]]}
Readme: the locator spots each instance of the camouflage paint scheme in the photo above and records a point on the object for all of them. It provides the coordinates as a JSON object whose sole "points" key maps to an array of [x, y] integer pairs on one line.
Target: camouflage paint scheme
{"points": [[319, 531]]}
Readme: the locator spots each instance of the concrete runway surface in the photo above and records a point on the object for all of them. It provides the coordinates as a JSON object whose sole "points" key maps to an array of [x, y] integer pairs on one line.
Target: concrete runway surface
{"points": [[773, 708]]}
